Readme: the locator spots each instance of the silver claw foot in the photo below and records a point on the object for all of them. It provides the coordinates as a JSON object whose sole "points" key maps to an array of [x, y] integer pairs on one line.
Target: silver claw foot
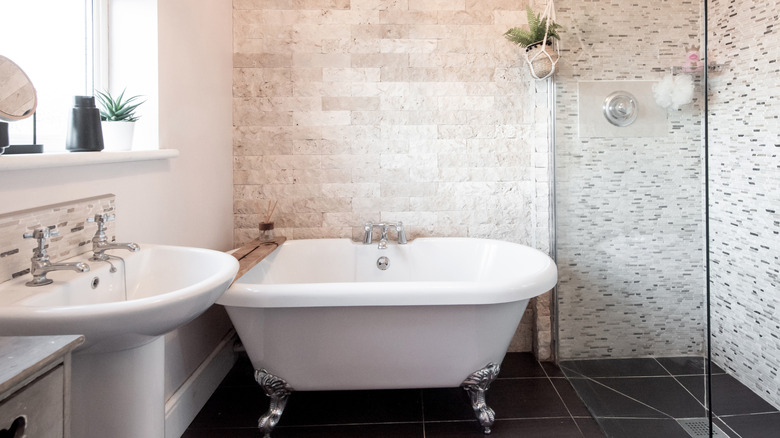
{"points": [[476, 384], [278, 391]]}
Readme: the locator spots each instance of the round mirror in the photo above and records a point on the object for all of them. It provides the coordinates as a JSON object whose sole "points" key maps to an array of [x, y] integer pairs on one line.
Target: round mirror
{"points": [[17, 94]]}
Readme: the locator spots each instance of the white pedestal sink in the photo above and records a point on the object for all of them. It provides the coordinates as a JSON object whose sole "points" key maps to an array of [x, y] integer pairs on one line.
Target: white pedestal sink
{"points": [[118, 373]]}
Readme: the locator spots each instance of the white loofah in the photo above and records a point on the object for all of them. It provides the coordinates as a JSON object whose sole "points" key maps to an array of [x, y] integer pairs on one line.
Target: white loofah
{"points": [[683, 91], [662, 91], [673, 91]]}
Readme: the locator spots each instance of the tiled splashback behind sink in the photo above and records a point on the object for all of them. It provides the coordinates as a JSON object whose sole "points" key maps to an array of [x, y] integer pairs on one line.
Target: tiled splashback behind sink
{"points": [[70, 219]]}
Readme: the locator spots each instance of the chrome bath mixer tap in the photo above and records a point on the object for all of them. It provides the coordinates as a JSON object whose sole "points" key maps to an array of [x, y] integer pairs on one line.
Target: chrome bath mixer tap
{"points": [[384, 226]]}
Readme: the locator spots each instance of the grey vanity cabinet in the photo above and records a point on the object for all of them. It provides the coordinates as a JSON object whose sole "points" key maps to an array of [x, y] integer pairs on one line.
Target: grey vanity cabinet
{"points": [[38, 409], [35, 386]]}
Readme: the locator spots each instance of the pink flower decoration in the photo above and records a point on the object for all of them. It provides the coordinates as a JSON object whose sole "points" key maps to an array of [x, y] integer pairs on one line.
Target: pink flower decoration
{"points": [[693, 63]]}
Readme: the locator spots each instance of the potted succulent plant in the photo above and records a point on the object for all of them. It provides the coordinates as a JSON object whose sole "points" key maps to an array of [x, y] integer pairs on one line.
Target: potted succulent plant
{"points": [[538, 43], [118, 119]]}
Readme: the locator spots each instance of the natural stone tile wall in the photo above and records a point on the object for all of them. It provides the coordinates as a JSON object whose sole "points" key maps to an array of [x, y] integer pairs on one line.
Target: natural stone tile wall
{"points": [[368, 110], [745, 192], [417, 111], [630, 241], [69, 218]]}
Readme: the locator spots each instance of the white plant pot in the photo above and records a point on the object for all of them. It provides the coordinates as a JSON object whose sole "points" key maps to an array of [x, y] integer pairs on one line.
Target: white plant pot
{"points": [[117, 136]]}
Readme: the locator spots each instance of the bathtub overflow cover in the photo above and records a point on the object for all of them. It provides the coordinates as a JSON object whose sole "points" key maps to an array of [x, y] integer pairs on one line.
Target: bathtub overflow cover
{"points": [[382, 263]]}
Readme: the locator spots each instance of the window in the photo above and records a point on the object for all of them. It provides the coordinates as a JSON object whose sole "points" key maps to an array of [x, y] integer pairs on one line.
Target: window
{"points": [[47, 39], [63, 46]]}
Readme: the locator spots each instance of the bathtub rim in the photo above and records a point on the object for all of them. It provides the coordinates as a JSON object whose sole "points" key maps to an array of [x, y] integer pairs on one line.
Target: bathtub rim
{"points": [[413, 293]]}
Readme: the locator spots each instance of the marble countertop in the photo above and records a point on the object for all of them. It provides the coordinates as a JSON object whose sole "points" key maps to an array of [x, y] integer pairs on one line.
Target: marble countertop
{"points": [[23, 357]]}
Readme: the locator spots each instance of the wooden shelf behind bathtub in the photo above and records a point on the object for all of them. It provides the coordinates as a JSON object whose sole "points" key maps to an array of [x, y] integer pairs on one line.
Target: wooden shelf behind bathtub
{"points": [[253, 252]]}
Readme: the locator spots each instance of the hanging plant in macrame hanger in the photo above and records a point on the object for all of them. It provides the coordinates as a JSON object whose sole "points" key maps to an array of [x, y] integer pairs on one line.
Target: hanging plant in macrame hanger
{"points": [[540, 41]]}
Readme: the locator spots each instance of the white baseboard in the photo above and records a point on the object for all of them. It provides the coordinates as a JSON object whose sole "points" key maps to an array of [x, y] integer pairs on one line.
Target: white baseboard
{"points": [[182, 407]]}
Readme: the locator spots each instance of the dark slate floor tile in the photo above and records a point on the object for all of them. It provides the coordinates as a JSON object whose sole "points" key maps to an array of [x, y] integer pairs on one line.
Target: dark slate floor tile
{"points": [[233, 432], [613, 368], [450, 404], [242, 373], [754, 426], [408, 430], [589, 428], [679, 366], [520, 365], [642, 428], [509, 398], [353, 407], [525, 398], [552, 369], [405, 430], [242, 406], [725, 428], [729, 395], [603, 401], [233, 407], [695, 385], [525, 428], [570, 398], [662, 393]]}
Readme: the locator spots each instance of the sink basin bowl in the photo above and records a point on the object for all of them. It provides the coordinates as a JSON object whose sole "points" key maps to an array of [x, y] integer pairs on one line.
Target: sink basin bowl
{"points": [[122, 307], [152, 292]]}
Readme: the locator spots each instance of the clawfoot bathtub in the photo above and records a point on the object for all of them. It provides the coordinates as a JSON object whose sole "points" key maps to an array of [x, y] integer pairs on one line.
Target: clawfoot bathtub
{"points": [[331, 314]]}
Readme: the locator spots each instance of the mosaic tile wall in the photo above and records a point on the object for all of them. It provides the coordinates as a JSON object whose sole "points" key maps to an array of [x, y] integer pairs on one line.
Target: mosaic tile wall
{"points": [[745, 192], [69, 218], [629, 210], [413, 110]]}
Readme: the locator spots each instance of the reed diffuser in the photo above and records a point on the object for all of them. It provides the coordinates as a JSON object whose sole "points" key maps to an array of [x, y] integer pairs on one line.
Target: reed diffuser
{"points": [[267, 226]]}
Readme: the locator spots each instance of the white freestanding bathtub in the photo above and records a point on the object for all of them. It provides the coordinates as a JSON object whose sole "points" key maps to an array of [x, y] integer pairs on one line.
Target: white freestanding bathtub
{"points": [[322, 314]]}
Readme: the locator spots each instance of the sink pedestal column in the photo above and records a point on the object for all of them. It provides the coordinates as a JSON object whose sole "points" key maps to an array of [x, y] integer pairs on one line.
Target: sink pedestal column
{"points": [[119, 394]]}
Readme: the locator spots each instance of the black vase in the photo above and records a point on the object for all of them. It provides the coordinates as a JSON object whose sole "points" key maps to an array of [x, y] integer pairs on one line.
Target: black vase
{"points": [[3, 137], [84, 133]]}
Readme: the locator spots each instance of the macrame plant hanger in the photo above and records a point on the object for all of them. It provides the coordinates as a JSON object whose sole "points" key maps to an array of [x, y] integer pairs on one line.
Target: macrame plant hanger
{"points": [[542, 61]]}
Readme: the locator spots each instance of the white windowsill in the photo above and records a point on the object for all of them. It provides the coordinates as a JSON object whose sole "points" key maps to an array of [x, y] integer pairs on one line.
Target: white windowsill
{"points": [[70, 159]]}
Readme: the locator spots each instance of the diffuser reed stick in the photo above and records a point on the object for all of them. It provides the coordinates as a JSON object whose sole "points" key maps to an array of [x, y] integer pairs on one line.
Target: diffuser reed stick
{"points": [[270, 211]]}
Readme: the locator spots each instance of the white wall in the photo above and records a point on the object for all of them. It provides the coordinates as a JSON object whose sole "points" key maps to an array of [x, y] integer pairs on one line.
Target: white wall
{"points": [[195, 62], [133, 59], [184, 201]]}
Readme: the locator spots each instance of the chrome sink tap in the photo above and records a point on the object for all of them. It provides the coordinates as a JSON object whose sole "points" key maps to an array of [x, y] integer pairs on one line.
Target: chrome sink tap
{"points": [[384, 226], [100, 243], [41, 265]]}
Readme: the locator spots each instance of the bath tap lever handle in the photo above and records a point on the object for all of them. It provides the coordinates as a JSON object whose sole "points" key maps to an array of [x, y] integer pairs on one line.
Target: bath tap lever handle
{"points": [[399, 229], [368, 237]]}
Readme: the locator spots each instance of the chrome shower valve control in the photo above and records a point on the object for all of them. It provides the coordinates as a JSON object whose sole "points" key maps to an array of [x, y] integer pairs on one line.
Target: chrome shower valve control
{"points": [[41, 265]]}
